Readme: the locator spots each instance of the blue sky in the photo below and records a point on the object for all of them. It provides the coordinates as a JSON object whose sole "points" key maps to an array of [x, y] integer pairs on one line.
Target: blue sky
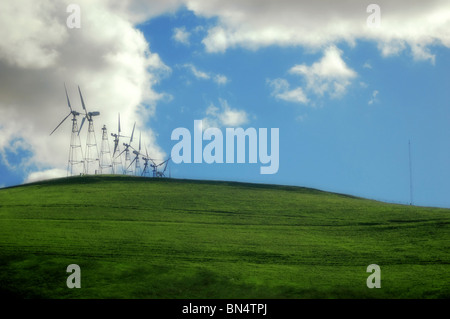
{"points": [[345, 109], [344, 145]]}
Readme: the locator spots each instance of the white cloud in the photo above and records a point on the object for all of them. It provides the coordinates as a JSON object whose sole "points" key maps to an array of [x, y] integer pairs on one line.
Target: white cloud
{"points": [[181, 35], [421, 52], [220, 79], [330, 74], [46, 174], [196, 72], [35, 47], [252, 24], [224, 116], [374, 97], [280, 90], [108, 57]]}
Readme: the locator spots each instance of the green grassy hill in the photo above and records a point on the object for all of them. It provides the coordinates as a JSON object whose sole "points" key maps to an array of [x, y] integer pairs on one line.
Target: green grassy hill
{"points": [[165, 238]]}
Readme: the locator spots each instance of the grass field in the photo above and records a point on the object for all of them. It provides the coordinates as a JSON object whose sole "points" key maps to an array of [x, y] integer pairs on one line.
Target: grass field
{"points": [[165, 238]]}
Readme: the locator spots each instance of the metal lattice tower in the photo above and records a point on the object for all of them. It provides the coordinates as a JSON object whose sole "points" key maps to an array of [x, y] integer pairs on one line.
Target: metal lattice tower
{"points": [[137, 153], [91, 161], [105, 154], [127, 170], [145, 171], [117, 165], [128, 161], [76, 164], [137, 168], [146, 159]]}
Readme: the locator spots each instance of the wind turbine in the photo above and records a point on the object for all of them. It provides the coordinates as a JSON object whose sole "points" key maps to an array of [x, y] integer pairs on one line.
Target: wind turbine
{"points": [[155, 166], [127, 151], [91, 142], [136, 158], [106, 166], [117, 160], [75, 143], [146, 160]]}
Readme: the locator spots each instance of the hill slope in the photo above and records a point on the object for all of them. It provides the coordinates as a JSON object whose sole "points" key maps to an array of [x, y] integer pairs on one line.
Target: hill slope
{"points": [[158, 238]]}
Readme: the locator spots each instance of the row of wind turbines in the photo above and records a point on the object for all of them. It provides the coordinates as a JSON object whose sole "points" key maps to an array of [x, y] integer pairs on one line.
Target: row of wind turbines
{"points": [[105, 162]]}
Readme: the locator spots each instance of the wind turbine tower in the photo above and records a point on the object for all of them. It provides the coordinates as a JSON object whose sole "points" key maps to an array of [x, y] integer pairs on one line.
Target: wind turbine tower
{"points": [[127, 154], [92, 161], [117, 166], [106, 166], [137, 167], [75, 164], [146, 159]]}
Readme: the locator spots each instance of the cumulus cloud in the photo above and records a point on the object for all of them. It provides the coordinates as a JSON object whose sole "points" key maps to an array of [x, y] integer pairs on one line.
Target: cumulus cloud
{"points": [[224, 116], [108, 57], [317, 24], [281, 90], [220, 79], [181, 35], [374, 97], [330, 74], [196, 72]]}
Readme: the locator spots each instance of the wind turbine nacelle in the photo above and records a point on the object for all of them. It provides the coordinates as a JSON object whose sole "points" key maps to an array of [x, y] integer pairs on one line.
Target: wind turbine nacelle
{"points": [[94, 113], [136, 152]]}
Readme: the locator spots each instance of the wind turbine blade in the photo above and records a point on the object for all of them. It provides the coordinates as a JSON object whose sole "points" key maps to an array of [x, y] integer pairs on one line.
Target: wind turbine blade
{"points": [[60, 123], [115, 146], [119, 125], [82, 122], [146, 153], [165, 167], [121, 153], [82, 101], [131, 163], [67, 96], [139, 142], [160, 164], [131, 139]]}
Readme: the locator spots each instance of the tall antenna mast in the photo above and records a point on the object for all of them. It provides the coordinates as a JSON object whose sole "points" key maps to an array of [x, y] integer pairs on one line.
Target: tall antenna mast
{"points": [[410, 174]]}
